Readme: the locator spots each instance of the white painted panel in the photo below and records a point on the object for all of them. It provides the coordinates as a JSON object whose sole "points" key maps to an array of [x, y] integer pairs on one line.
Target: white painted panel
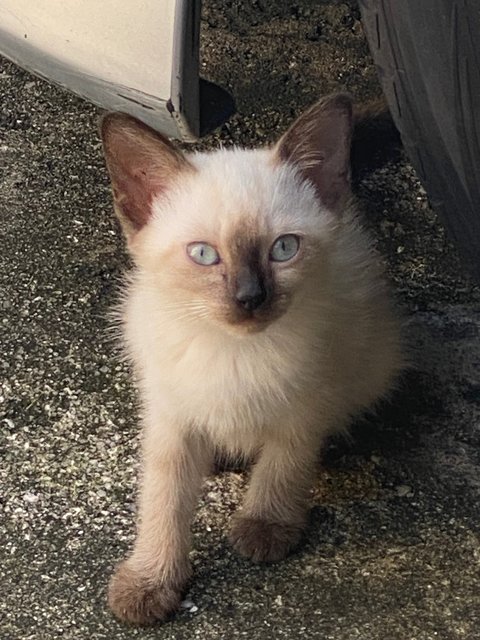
{"points": [[124, 42]]}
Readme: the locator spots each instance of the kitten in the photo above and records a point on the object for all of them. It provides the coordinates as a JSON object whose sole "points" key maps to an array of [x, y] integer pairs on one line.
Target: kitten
{"points": [[257, 321]]}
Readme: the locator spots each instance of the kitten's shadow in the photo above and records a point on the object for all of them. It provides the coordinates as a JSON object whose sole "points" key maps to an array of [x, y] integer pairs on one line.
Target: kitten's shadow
{"points": [[391, 431], [417, 457]]}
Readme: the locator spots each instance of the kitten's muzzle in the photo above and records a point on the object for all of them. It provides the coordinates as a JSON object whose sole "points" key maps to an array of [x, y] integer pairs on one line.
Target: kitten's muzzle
{"points": [[250, 291]]}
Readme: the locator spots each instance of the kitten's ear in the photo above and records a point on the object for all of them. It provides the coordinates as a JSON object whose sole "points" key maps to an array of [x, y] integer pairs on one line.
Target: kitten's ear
{"points": [[142, 165], [318, 143]]}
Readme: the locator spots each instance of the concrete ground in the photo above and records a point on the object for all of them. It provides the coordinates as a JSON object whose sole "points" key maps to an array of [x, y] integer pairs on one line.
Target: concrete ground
{"points": [[392, 552]]}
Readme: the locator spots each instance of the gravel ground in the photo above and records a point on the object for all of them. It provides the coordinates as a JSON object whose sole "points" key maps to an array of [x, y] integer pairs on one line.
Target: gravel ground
{"points": [[392, 551]]}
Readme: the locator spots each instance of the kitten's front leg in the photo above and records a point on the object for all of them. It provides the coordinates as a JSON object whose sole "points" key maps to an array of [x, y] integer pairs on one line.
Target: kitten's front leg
{"points": [[148, 585], [274, 513]]}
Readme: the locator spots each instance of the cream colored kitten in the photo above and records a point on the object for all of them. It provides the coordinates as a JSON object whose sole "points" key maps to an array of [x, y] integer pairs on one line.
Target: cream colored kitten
{"points": [[257, 321]]}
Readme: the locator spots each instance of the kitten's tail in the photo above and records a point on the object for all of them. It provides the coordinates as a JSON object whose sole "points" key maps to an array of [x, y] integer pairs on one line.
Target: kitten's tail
{"points": [[375, 140]]}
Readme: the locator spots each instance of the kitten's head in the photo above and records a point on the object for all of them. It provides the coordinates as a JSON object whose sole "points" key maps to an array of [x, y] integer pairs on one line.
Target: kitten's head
{"points": [[232, 236]]}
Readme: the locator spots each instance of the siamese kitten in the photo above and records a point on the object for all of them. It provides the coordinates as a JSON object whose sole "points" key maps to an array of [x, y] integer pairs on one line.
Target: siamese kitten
{"points": [[257, 321]]}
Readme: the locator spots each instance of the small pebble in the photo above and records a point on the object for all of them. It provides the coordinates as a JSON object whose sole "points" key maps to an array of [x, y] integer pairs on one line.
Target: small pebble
{"points": [[31, 498]]}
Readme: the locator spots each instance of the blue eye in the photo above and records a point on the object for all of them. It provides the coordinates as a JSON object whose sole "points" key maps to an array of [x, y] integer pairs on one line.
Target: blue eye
{"points": [[284, 248], [203, 253]]}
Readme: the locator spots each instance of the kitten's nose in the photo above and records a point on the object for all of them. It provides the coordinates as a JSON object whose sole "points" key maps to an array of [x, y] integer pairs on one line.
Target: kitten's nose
{"points": [[250, 292], [251, 302]]}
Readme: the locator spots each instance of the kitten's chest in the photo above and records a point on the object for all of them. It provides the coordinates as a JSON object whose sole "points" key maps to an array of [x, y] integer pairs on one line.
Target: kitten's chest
{"points": [[231, 388]]}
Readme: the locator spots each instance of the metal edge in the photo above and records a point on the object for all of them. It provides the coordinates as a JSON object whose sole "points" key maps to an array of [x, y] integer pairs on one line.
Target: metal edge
{"points": [[185, 83]]}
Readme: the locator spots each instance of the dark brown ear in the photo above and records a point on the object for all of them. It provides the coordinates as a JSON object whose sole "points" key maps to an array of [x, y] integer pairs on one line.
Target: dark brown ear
{"points": [[142, 165], [318, 143]]}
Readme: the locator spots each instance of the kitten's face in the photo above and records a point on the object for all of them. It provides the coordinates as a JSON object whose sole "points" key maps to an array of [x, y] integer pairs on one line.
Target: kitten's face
{"points": [[231, 237], [236, 242]]}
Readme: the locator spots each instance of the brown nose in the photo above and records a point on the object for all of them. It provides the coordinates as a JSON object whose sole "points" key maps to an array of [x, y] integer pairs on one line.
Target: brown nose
{"points": [[251, 302], [250, 292]]}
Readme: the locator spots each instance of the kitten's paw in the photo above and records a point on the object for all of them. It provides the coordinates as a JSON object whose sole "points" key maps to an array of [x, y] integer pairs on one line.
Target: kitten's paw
{"points": [[264, 541], [135, 598]]}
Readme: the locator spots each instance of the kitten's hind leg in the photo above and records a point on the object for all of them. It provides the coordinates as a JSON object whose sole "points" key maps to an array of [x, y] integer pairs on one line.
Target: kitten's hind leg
{"points": [[149, 585], [274, 513]]}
